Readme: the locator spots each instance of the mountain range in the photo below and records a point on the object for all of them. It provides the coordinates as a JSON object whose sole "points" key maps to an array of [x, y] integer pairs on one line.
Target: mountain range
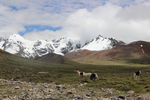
{"points": [[135, 49], [20, 46]]}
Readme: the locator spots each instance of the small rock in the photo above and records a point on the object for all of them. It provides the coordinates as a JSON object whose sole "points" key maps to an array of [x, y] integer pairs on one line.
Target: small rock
{"points": [[5, 96], [69, 93], [17, 87], [88, 95], [51, 90], [78, 97], [115, 98], [101, 98], [61, 91], [39, 96], [131, 92], [53, 98], [58, 87], [122, 97], [6, 99], [139, 98], [23, 96]]}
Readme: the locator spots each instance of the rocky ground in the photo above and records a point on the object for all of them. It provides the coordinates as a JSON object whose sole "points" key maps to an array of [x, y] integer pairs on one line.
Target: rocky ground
{"points": [[17, 90]]}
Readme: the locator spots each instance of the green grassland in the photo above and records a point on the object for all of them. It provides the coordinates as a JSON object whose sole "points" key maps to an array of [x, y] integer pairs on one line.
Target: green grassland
{"points": [[116, 74]]}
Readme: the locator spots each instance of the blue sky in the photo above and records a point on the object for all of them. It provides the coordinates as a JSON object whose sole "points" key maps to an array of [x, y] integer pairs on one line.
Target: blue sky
{"points": [[15, 8], [37, 28]]}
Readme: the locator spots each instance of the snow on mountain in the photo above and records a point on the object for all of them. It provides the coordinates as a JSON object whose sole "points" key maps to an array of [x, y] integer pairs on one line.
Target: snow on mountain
{"points": [[16, 44], [97, 44], [65, 45], [101, 43], [2, 41]]}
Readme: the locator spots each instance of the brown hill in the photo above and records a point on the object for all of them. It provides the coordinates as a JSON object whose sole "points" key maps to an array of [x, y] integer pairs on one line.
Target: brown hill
{"points": [[3, 52], [135, 49], [79, 54], [52, 58]]}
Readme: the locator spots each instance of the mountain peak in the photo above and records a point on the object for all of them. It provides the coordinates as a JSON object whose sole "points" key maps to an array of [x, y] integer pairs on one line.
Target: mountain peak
{"points": [[101, 43], [16, 37]]}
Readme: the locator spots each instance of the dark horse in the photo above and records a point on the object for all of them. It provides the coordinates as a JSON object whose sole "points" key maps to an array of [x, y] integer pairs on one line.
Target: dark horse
{"points": [[94, 76], [137, 74]]}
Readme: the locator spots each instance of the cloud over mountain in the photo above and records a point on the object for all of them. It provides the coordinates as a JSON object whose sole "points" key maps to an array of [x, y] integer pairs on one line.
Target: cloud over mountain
{"points": [[126, 20]]}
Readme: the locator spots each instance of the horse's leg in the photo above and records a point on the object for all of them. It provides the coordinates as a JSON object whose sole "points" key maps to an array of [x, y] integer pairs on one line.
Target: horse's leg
{"points": [[139, 77], [134, 77], [97, 77]]}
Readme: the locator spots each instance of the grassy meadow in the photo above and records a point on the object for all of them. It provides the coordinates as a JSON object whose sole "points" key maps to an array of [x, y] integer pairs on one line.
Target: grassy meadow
{"points": [[112, 74]]}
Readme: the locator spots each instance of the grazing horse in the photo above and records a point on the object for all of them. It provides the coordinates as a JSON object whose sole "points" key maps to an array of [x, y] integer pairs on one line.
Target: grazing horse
{"points": [[92, 76], [137, 74]]}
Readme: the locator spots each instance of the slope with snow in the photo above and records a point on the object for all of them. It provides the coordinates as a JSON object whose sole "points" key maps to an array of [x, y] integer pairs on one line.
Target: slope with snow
{"points": [[101, 43], [97, 44], [65, 45], [16, 44]]}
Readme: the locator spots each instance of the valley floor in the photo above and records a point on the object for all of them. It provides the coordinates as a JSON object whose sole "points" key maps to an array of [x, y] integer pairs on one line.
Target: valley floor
{"points": [[18, 90], [35, 80]]}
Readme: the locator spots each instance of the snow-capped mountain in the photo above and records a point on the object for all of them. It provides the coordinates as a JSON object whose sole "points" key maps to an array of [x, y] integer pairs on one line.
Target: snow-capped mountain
{"points": [[16, 44], [101, 43]]}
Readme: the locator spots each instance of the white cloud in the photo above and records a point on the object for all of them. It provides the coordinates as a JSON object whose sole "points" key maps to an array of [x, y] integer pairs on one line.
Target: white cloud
{"points": [[14, 21], [111, 20], [127, 24]]}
